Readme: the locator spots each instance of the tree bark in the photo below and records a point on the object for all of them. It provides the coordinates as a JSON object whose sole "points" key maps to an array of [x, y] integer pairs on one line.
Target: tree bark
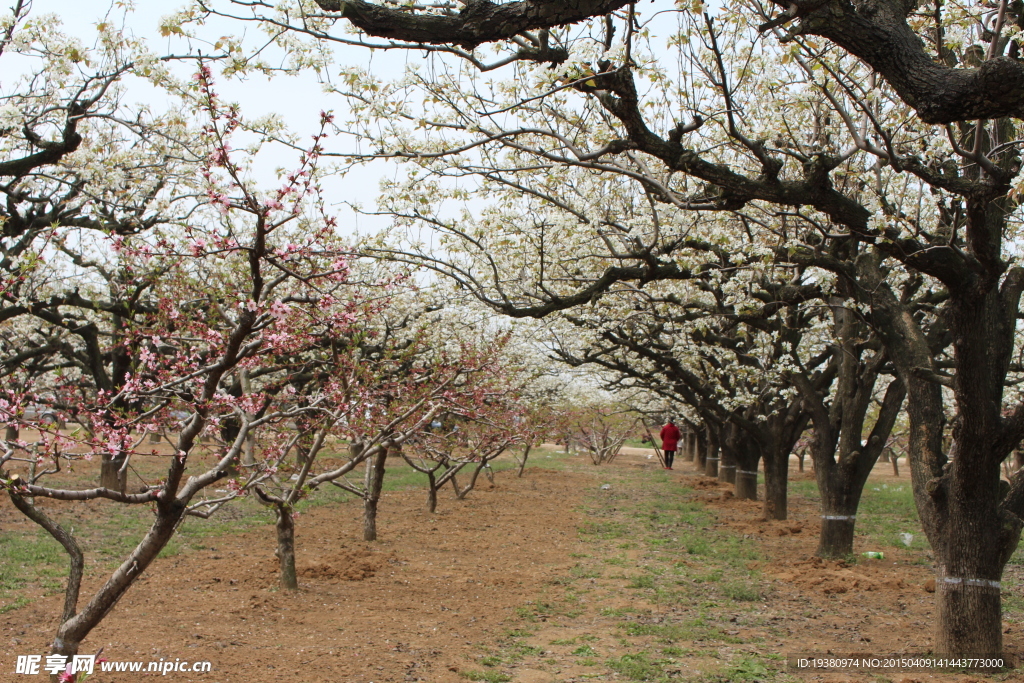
{"points": [[72, 631], [776, 481], [472, 480], [959, 497], [746, 484], [286, 546], [431, 493], [711, 465], [878, 33], [727, 467], [111, 476], [704, 446], [371, 497], [522, 463], [839, 425], [728, 444], [477, 23], [747, 454]]}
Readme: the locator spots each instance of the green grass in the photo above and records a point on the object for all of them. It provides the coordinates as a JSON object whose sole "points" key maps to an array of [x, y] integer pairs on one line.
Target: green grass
{"points": [[640, 667], [17, 604], [888, 510], [488, 676], [692, 577], [605, 531], [641, 582], [694, 629], [747, 669], [742, 592]]}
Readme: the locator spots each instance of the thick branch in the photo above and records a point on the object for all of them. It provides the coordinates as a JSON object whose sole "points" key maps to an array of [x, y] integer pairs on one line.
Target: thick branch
{"points": [[877, 32], [479, 21]]}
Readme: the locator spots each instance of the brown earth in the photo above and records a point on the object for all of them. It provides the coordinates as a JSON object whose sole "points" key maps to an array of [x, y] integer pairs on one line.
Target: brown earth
{"points": [[438, 592]]}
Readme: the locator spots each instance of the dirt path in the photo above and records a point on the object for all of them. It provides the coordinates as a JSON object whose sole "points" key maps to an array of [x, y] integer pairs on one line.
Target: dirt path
{"points": [[624, 572]]}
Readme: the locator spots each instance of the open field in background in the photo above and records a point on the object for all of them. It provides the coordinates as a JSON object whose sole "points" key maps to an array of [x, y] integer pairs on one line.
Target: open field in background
{"points": [[573, 573]]}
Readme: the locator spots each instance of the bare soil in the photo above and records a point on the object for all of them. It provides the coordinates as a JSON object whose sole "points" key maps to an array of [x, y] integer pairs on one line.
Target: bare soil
{"points": [[505, 574]]}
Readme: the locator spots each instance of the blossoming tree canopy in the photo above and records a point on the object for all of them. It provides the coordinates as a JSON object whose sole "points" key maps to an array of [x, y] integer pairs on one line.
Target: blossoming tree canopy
{"points": [[764, 127], [921, 61]]}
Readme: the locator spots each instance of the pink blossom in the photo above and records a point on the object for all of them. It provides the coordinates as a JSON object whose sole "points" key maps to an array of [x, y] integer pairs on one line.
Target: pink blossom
{"points": [[279, 309]]}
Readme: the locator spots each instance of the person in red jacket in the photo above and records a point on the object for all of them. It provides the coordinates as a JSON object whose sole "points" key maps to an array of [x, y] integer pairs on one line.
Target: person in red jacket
{"points": [[669, 440]]}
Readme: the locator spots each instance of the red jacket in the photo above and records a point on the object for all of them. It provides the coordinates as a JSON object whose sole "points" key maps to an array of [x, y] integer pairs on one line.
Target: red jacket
{"points": [[669, 437]]}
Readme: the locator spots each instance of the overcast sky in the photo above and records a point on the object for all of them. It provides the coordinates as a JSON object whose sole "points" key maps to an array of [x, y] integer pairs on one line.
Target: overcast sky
{"points": [[298, 99]]}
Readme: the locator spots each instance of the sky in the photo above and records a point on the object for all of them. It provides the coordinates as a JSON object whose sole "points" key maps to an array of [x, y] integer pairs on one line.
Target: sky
{"points": [[297, 99]]}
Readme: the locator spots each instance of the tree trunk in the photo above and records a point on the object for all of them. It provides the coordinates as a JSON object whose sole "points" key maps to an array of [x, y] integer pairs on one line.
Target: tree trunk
{"points": [[431, 492], [472, 481], [701, 455], [711, 465], [75, 568], [836, 538], [785, 429], [727, 466], [727, 446], [73, 630], [374, 482], [746, 484], [522, 463], [747, 454], [840, 498], [110, 475], [286, 547], [776, 481], [978, 542], [958, 497], [970, 614]]}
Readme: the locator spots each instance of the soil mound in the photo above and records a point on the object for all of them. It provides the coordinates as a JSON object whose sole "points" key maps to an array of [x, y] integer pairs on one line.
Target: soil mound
{"points": [[705, 483], [350, 565], [835, 576]]}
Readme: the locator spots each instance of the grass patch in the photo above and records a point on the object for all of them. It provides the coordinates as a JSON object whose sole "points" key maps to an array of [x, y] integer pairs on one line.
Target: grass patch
{"points": [[886, 511], [641, 582], [747, 669], [742, 592], [17, 604], [639, 667], [605, 531], [488, 676], [692, 629]]}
